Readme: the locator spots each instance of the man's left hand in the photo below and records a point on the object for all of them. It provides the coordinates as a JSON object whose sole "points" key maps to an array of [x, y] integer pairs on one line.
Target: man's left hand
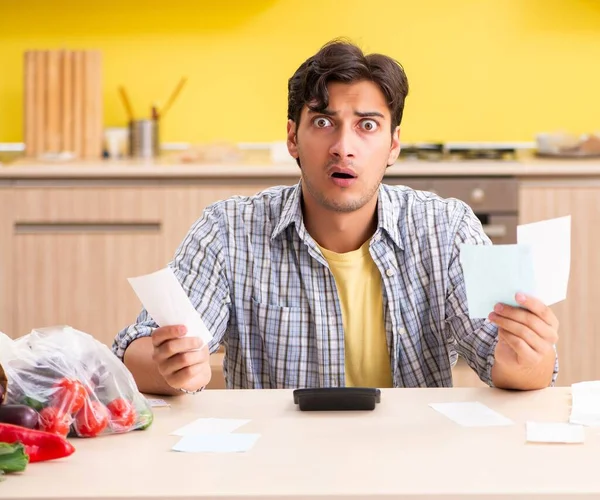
{"points": [[527, 336]]}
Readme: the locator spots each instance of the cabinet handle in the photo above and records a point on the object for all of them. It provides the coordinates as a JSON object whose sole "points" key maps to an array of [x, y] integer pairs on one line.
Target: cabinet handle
{"points": [[86, 227], [494, 230], [477, 195]]}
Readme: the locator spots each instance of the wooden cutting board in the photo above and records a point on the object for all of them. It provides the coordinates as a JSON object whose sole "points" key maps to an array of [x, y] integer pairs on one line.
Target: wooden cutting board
{"points": [[63, 107]]}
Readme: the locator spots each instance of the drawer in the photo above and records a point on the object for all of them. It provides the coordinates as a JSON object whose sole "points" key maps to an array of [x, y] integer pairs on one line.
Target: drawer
{"points": [[95, 205], [501, 229], [483, 195]]}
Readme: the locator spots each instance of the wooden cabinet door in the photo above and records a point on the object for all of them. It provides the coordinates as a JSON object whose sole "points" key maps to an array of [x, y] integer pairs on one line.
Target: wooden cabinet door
{"points": [[6, 258], [579, 343], [73, 247], [73, 250], [183, 205]]}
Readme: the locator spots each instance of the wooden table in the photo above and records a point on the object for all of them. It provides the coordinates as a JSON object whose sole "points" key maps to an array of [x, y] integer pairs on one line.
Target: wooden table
{"points": [[403, 449]]}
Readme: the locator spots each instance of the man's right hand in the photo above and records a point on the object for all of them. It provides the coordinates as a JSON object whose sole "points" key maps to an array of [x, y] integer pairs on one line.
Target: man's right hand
{"points": [[184, 362]]}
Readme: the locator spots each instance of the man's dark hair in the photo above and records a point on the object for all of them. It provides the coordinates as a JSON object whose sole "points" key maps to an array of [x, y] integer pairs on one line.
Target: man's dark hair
{"points": [[342, 61]]}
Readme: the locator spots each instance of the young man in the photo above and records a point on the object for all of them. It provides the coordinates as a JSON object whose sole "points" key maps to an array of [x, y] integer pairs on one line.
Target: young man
{"points": [[339, 280]]}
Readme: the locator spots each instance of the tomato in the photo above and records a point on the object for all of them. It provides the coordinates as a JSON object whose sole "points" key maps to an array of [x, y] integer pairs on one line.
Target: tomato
{"points": [[122, 414], [69, 395], [55, 421], [92, 419]]}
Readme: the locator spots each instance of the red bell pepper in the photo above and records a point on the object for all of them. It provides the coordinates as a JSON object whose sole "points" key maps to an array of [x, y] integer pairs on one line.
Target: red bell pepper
{"points": [[69, 396], [92, 419], [39, 445], [122, 414], [55, 422]]}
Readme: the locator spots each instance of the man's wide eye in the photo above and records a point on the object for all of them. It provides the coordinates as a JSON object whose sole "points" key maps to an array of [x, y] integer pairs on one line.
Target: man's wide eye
{"points": [[369, 125], [321, 122]]}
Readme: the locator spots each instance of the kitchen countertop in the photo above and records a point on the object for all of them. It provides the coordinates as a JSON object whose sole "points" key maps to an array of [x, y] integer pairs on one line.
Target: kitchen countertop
{"points": [[168, 168], [402, 449]]}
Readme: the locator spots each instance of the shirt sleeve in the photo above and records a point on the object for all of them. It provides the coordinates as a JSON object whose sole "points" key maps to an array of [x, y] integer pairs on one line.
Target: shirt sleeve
{"points": [[475, 339], [199, 265]]}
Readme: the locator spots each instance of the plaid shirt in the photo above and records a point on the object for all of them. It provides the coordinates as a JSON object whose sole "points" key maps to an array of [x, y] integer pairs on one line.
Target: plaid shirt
{"points": [[264, 290]]}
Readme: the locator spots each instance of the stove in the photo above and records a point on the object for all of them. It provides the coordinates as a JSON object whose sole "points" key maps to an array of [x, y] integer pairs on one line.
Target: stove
{"points": [[463, 151]]}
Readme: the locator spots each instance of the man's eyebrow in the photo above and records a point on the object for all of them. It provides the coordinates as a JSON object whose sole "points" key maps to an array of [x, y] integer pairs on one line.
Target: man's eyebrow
{"points": [[367, 114], [362, 114]]}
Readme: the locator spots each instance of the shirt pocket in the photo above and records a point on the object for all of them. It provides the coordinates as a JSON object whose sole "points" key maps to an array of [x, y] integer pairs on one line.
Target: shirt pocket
{"points": [[284, 332]]}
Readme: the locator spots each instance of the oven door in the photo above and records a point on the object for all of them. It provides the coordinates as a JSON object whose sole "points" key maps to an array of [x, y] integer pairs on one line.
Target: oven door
{"points": [[501, 229]]}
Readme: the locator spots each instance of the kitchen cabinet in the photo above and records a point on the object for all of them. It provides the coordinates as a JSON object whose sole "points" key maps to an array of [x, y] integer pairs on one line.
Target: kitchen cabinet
{"points": [[69, 241], [579, 333], [579, 342], [68, 250], [6, 258], [73, 249]]}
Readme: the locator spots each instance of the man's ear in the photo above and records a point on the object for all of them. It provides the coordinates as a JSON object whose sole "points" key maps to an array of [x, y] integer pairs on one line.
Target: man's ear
{"points": [[292, 139], [395, 147]]}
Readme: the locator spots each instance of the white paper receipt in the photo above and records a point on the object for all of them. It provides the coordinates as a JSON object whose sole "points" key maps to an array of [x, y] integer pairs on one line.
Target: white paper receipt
{"points": [[158, 403], [585, 405], [166, 301], [471, 414], [550, 241], [216, 443], [554, 432], [210, 426]]}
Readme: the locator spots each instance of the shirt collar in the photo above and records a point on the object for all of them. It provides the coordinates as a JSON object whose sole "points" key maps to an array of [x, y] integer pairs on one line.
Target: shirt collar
{"points": [[291, 213], [388, 214]]}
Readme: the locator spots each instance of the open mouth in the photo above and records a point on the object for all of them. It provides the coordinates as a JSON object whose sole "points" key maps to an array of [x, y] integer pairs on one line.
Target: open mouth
{"points": [[341, 175]]}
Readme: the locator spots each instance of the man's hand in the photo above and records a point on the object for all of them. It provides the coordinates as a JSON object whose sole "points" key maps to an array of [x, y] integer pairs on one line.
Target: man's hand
{"points": [[184, 362], [525, 355]]}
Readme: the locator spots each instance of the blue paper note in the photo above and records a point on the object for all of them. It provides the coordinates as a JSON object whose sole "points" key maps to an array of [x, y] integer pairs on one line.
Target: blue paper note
{"points": [[495, 274]]}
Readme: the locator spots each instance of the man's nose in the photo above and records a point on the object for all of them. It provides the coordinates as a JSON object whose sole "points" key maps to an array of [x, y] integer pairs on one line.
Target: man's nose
{"points": [[343, 146]]}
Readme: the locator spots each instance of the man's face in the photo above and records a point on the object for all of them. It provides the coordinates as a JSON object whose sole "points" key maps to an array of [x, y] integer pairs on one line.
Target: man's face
{"points": [[345, 150]]}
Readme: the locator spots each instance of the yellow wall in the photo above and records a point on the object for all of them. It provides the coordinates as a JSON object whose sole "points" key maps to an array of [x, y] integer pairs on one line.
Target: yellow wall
{"points": [[478, 69]]}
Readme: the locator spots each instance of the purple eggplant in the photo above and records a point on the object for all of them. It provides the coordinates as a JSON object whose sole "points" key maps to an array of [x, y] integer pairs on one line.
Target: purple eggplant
{"points": [[21, 415]]}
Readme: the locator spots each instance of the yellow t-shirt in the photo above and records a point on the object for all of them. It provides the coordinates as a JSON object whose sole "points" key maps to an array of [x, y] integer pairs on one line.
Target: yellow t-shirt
{"points": [[367, 361]]}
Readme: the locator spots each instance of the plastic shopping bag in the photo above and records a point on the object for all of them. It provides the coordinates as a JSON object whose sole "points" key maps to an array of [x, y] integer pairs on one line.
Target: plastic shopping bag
{"points": [[75, 383]]}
